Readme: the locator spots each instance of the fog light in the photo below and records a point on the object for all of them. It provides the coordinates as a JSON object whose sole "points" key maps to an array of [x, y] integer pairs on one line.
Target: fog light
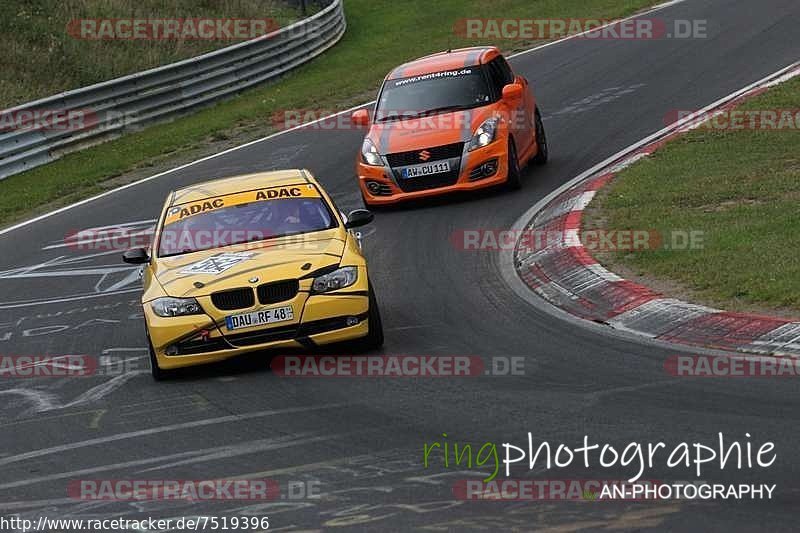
{"points": [[484, 170], [374, 187], [352, 320], [172, 350]]}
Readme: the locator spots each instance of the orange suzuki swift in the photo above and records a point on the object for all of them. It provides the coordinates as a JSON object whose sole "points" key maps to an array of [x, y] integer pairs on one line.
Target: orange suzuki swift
{"points": [[453, 121]]}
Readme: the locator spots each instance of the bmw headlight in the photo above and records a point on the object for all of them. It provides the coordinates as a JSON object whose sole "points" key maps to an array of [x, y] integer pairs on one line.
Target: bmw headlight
{"points": [[166, 307], [370, 154], [485, 134], [338, 279]]}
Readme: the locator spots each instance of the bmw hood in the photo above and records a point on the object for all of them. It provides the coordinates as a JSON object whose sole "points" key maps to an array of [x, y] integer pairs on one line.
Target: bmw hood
{"points": [[201, 273]]}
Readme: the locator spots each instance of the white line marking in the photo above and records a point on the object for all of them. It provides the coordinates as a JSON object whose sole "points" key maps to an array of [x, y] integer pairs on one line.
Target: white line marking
{"points": [[49, 360], [33, 504], [204, 454], [653, 9], [44, 401], [572, 239], [45, 301], [229, 451], [583, 200], [42, 452], [299, 126], [603, 273], [170, 171]]}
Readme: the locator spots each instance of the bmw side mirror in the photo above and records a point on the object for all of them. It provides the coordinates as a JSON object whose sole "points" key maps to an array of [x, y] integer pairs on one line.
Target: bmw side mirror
{"points": [[136, 256], [359, 217]]}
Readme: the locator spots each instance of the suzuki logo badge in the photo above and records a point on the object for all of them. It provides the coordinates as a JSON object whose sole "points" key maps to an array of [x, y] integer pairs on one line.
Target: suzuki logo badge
{"points": [[424, 155]]}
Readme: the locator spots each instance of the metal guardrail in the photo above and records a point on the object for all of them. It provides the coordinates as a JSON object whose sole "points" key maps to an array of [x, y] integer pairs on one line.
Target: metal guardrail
{"points": [[94, 114]]}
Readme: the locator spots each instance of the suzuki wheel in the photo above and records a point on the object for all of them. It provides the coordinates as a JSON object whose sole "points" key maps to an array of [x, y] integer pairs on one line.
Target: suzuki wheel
{"points": [[514, 179]]}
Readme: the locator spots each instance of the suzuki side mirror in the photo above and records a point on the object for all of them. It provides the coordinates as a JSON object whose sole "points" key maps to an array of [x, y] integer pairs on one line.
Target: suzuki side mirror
{"points": [[512, 91], [360, 117]]}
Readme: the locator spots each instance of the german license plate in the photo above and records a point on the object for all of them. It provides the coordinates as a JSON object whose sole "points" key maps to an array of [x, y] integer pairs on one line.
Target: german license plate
{"points": [[259, 318], [426, 169]]}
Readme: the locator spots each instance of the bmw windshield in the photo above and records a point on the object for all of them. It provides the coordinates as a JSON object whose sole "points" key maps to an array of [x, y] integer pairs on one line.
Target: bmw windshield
{"points": [[243, 217]]}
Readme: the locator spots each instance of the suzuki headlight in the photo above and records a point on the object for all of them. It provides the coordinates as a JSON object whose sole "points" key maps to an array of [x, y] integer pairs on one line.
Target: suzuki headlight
{"points": [[338, 279], [485, 134], [370, 154], [166, 307]]}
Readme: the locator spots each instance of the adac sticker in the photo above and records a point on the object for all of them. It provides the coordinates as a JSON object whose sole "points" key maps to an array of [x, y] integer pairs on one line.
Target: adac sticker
{"points": [[217, 264], [180, 212]]}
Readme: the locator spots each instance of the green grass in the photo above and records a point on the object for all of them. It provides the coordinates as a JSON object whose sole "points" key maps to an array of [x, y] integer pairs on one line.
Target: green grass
{"points": [[41, 58], [380, 35], [741, 188]]}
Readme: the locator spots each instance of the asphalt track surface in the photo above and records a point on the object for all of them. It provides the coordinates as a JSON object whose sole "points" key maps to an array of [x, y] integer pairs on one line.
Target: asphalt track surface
{"points": [[361, 440]]}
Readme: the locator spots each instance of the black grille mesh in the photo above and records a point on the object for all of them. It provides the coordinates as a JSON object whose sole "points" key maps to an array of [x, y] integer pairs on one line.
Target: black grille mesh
{"points": [[233, 299], [278, 291], [437, 153]]}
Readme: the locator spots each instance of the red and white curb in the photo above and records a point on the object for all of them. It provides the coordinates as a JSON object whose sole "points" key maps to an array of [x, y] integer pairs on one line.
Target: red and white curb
{"points": [[566, 275]]}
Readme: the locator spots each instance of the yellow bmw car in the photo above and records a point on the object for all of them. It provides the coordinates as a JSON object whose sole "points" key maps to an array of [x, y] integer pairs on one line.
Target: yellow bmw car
{"points": [[254, 262]]}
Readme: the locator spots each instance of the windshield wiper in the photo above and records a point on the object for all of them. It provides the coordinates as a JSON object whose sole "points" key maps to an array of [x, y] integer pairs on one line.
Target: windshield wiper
{"points": [[397, 116], [445, 109], [426, 112]]}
